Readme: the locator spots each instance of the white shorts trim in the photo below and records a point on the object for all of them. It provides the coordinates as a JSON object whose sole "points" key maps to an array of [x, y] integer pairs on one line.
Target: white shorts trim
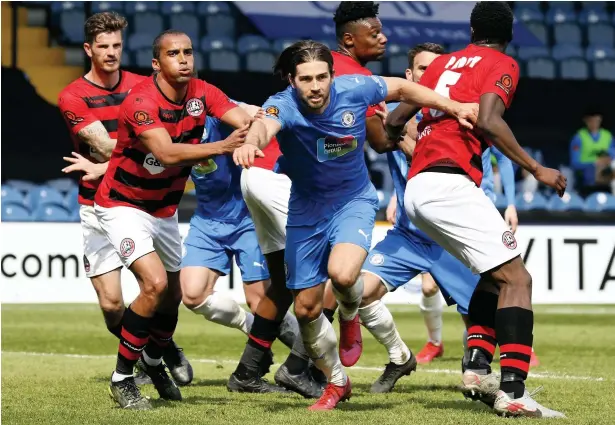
{"points": [[387, 285], [99, 256], [266, 194], [135, 233], [461, 219]]}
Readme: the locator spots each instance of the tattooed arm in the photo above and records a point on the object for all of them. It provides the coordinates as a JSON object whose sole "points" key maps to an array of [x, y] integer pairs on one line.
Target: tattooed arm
{"points": [[98, 138]]}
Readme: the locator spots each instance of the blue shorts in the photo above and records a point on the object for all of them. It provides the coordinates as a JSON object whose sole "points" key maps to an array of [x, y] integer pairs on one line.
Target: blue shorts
{"points": [[455, 280], [213, 244], [314, 228], [399, 257]]}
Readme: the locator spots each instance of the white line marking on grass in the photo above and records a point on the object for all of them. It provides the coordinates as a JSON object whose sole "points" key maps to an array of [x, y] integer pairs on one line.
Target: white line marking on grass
{"points": [[544, 375]]}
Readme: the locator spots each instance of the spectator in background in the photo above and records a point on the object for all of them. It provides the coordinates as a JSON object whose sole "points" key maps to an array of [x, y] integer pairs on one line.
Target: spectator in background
{"points": [[592, 150]]}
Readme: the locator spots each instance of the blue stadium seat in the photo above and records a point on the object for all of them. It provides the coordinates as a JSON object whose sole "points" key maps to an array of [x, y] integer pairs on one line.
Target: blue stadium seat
{"points": [[563, 5], [456, 47], [561, 52], [567, 34], [592, 16], [143, 58], [526, 53], [396, 49], [60, 6], [139, 41], [604, 69], [148, 23], [62, 185], [600, 202], [397, 64], [528, 14], [199, 61], [530, 201], [189, 23], [250, 43], [574, 69], [568, 202], [536, 5], [134, 7], [539, 30], [74, 216], [281, 44], [559, 14], [223, 60], [21, 185], [52, 213], [330, 43], [71, 200], [594, 5], [220, 25], [177, 7], [205, 8], [71, 25], [540, 68], [596, 53], [44, 195], [511, 50], [259, 61], [500, 201], [375, 67], [107, 6], [15, 212], [10, 195], [600, 35], [209, 43]]}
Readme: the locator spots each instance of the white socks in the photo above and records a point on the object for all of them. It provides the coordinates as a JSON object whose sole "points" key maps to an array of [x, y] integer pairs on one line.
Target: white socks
{"points": [[465, 340], [150, 361], [378, 320], [349, 299], [321, 344], [117, 377], [431, 307], [289, 331], [222, 309]]}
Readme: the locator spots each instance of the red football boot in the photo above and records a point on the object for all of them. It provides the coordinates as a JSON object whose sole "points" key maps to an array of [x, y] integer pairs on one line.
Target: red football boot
{"points": [[534, 359], [429, 352], [332, 395], [351, 343]]}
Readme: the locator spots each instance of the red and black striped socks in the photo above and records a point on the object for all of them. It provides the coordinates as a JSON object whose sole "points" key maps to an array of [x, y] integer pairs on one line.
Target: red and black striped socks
{"points": [[133, 339], [161, 330], [514, 330]]}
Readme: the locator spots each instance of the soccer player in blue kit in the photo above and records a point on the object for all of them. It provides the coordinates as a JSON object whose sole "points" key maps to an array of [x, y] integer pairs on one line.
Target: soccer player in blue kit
{"points": [[221, 229], [320, 125]]}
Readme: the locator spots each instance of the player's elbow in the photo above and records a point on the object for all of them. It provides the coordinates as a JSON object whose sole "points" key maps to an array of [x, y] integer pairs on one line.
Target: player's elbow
{"points": [[486, 123], [167, 158]]}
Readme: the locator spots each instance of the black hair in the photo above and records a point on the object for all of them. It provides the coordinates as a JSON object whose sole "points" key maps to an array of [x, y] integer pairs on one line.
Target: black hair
{"points": [[423, 47], [492, 22], [158, 41], [352, 11], [301, 52]]}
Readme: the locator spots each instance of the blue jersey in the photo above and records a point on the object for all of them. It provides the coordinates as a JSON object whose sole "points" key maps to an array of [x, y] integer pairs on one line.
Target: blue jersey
{"points": [[507, 174], [323, 153], [398, 165], [217, 180]]}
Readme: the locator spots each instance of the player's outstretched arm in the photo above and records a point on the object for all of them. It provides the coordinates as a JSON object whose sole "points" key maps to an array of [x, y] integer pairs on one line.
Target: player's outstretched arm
{"points": [[237, 117], [91, 170], [98, 138], [170, 154], [492, 125], [377, 136], [260, 134]]}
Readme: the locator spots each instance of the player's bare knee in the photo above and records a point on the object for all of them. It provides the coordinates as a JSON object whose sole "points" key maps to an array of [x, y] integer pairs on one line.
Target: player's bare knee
{"points": [[308, 312], [154, 287], [343, 276], [429, 290], [111, 305], [373, 289]]}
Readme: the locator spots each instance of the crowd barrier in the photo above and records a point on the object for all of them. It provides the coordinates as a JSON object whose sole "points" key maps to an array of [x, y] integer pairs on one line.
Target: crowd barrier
{"points": [[570, 264]]}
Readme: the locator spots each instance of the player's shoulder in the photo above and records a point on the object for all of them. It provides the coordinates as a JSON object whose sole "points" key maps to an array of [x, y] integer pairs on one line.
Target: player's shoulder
{"points": [[286, 97], [352, 82], [77, 88], [142, 94], [132, 79]]}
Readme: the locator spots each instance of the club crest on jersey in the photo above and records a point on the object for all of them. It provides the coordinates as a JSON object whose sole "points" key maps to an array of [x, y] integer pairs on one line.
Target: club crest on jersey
{"points": [[508, 239], [377, 259], [143, 118], [505, 83], [272, 111], [72, 118], [348, 119], [127, 247], [86, 264], [152, 165], [195, 107]]}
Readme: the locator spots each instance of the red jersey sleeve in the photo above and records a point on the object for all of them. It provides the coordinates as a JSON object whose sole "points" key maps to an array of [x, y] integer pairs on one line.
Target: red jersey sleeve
{"points": [[218, 103], [502, 79], [141, 114], [75, 112], [371, 110]]}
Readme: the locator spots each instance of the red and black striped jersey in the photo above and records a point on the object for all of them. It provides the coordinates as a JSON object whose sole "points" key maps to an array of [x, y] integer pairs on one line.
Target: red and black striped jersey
{"points": [[82, 102], [134, 177]]}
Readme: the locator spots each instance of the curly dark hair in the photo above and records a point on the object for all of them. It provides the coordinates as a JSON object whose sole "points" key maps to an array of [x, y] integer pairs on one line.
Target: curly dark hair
{"points": [[352, 11], [492, 22], [103, 22]]}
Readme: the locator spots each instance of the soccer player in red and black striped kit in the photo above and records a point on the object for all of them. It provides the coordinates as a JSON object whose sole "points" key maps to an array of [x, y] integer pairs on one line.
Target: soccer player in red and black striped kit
{"points": [[90, 106], [160, 127]]}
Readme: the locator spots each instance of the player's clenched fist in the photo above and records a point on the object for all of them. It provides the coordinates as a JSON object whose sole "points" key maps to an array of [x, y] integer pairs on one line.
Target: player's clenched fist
{"points": [[236, 139], [244, 156], [552, 178]]}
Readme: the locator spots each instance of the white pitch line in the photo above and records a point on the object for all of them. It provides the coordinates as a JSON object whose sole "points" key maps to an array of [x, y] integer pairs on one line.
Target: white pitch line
{"points": [[545, 375]]}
